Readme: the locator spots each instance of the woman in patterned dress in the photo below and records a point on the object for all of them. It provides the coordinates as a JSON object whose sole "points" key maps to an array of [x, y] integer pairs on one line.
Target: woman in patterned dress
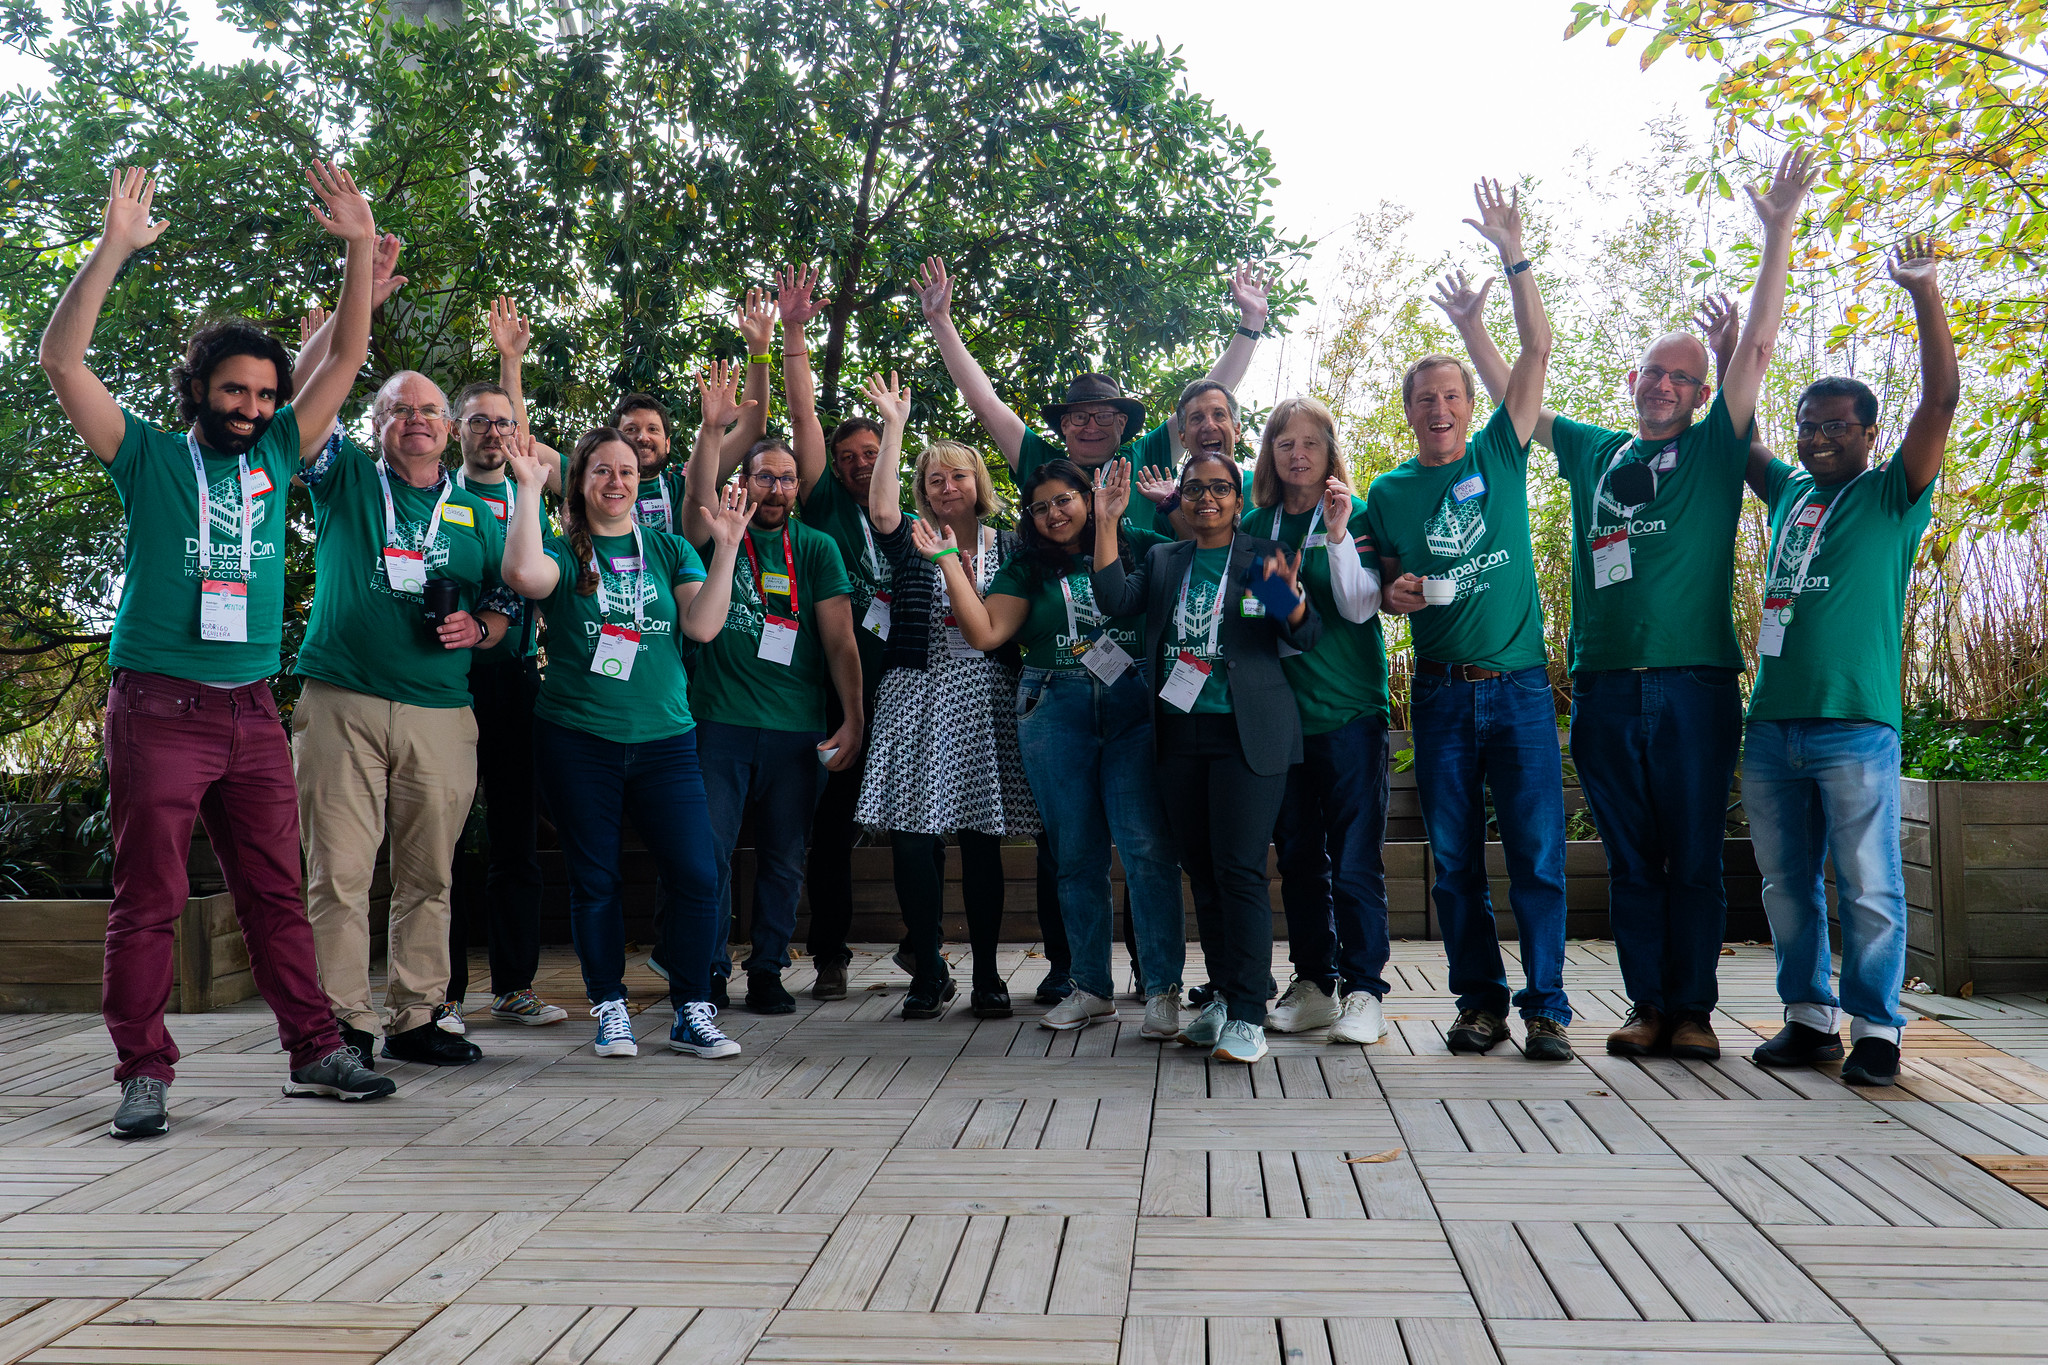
{"points": [[942, 753]]}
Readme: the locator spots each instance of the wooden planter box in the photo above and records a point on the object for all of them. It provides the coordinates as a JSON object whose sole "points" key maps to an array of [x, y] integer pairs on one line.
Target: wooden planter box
{"points": [[1976, 865], [55, 951]]}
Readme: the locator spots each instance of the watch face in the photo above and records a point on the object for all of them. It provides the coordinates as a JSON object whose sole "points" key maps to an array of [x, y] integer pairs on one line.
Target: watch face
{"points": [[1633, 485]]}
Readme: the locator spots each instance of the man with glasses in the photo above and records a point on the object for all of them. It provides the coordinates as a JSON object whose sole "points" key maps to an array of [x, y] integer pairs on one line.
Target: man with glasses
{"points": [[1656, 701], [1820, 768], [407, 587], [758, 691]]}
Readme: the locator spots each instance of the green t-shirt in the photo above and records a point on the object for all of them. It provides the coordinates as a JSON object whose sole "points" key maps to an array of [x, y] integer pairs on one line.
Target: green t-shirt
{"points": [[831, 508], [156, 628], [1468, 521], [1191, 629], [1155, 447], [660, 501], [1840, 657], [1345, 675], [363, 635], [1676, 611], [1044, 638], [654, 702], [501, 494], [733, 684]]}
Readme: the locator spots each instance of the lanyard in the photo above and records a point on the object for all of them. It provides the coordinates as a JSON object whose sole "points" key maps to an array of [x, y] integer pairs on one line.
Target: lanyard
{"points": [[1073, 623], [391, 512], [788, 567], [1620, 454], [511, 495], [1180, 613], [1813, 541], [206, 508], [668, 519], [639, 581], [874, 560]]}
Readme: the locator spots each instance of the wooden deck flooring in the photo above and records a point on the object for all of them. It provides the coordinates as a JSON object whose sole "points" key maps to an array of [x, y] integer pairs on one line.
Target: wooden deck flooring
{"points": [[855, 1188]]}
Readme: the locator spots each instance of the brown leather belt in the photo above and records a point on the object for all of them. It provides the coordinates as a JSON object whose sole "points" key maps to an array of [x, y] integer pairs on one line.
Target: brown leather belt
{"points": [[1456, 672]]}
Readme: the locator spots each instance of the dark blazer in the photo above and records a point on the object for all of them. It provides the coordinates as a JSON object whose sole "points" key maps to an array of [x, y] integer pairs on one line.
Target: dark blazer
{"points": [[1268, 721]]}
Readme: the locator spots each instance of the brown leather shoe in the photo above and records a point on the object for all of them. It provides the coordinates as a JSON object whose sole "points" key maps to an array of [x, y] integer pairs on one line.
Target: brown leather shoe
{"points": [[1641, 1035], [1695, 1042], [831, 983]]}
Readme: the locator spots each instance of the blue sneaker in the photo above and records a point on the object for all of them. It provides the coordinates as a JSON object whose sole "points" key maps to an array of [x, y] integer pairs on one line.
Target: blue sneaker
{"points": [[1240, 1042], [1205, 1028], [695, 1034], [614, 1030]]}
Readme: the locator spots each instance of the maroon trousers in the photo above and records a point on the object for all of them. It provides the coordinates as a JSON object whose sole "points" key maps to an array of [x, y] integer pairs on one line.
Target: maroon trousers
{"points": [[176, 750]]}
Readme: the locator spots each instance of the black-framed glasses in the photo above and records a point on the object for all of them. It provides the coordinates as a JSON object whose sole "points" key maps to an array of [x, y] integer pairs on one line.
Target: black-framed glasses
{"points": [[1834, 431], [1100, 419], [1650, 374], [764, 479], [405, 412], [1213, 491], [1065, 502], [480, 426]]}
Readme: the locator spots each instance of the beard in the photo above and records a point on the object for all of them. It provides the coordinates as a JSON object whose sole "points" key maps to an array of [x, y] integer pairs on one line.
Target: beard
{"points": [[213, 426]]}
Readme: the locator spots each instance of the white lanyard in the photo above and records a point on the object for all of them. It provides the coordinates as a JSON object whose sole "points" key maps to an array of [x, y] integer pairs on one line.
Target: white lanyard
{"points": [[874, 560], [391, 512], [1073, 622], [206, 507], [668, 519], [639, 581], [1180, 613], [1621, 453], [1813, 541], [511, 495]]}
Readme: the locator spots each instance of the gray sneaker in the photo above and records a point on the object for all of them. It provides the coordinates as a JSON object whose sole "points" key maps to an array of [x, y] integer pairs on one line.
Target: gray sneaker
{"points": [[1240, 1042], [1206, 1027], [1162, 1016], [340, 1075], [143, 1112]]}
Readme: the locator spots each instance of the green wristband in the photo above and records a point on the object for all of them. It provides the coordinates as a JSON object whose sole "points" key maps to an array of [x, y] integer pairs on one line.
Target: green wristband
{"points": [[760, 359], [949, 550]]}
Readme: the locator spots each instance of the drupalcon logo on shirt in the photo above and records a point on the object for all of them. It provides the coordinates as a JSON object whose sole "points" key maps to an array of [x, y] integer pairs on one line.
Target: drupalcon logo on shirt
{"points": [[411, 535], [1458, 525], [1792, 551], [745, 614], [615, 602], [224, 530]]}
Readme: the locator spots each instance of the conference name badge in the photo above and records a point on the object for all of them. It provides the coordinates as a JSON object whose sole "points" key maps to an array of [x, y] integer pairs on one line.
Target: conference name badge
{"points": [[876, 622], [1612, 562], [1106, 659], [224, 611], [1251, 606], [496, 505], [1319, 541], [617, 647], [956, 643], [778, 640], [623, 564], [1770, 635], [405, 571], [256, 483], [1466, 489], [775, 583], [1184, 685], [460, 516], [651, 512]]}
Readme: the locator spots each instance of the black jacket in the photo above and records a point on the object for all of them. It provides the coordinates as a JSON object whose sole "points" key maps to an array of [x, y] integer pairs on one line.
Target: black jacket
{"points": [[1268, 721], [914, 582]]}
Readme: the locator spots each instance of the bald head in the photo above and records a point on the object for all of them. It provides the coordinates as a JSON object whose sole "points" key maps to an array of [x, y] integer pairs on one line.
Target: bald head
{"points": [[1669, 385], [410, 414]]}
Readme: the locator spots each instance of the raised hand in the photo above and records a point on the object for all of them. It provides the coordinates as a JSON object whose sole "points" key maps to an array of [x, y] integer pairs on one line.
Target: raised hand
{"points": [[127, 228], [315, 319], [1248, 289], [728, 517], [929, 542], [1912, 266], [528, 470], [1499, 220], [934, 290], [719, 384], [796, 298], [1463, 304], [511, 331], [892, 400], [1112, 491], [1279, 566], [347, 213], [1720, 322], [755, 318], [1156, 485], [1779, 205], [1336, 511], [383, 283]]}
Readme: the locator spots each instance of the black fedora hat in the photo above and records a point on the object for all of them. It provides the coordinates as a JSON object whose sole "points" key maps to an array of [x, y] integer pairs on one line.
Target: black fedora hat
{"points": [[1096, 388]]}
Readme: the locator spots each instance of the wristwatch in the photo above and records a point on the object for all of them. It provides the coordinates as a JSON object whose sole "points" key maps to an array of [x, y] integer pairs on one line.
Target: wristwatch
{"points": [[1519, 266]]}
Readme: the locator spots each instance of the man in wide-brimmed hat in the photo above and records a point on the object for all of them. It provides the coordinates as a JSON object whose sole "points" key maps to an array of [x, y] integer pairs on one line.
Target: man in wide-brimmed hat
{"points": [[1095, 420]]}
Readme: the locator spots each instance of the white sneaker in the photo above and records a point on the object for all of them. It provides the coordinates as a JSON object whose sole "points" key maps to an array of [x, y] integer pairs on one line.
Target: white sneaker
{"points": [[614, 1030], [1359, 1019], [1078, 1010], [1162, 1017], [448, 1018], [1305, 1006]]}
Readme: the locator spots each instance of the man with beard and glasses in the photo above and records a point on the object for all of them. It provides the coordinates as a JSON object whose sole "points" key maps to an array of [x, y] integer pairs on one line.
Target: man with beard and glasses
{"points": [[758, 692], [192, 729], [1656, 668], [406, 588]]}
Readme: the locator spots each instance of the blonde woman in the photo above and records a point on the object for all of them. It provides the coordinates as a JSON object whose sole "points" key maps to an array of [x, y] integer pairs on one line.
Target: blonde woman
{"points": [[943, 757]]}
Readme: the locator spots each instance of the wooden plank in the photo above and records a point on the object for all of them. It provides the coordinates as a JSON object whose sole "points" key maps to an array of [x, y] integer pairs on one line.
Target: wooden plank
{"points": [[1503, 1278], [851, 1265], [1575, 1272], [1021, 1280], [1686, 1271], [1094, 1266]]}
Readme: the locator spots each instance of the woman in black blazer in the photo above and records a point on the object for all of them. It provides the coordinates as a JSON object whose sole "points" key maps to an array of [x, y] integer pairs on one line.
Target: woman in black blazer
{"points": [[1225, 725]]}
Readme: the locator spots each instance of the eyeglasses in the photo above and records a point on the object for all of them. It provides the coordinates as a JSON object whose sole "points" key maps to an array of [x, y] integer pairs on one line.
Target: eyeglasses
{"points": [[405, 412], [761, 478], [1106, 419], [1064, 502], [1834, 431], [1650, 374], [1207, 492], [504, 426]]}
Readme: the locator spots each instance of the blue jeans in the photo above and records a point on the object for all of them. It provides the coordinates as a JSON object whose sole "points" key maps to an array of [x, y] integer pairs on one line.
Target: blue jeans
{"points": [[1333, 882], [1088, 756], [780, 772], [1499, 734], [1656, 751], [1830, 788], [591, 784]]}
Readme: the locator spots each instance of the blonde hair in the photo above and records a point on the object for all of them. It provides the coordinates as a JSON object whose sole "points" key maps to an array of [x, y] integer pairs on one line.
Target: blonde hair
{"points": [[1266, 477], [954, 455]]}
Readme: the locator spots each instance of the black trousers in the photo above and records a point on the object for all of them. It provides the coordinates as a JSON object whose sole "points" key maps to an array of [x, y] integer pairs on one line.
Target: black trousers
{"points": [[828, 872], [920, 870], [1221, 815], [502, 695]]}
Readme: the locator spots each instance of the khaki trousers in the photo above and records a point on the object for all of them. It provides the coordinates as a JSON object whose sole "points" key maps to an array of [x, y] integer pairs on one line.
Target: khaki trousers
{"points": [[365, 764]]}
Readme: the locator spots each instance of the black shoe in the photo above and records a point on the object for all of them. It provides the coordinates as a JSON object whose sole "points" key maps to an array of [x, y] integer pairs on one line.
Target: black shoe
{"points": [[927, 999], [431, 1046], [1056, 987], [1798, 1045], [992, 1002], [831, 983], [1547, 1041], [364, 1045], [1873, 1061], [717, 995], [1476, 1031], [144, 1111], [766, 994], [1200, 996]]}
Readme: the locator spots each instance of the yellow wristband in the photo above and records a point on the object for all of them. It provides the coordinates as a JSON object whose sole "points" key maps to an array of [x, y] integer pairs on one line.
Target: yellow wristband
{"points": [[760, 359]]}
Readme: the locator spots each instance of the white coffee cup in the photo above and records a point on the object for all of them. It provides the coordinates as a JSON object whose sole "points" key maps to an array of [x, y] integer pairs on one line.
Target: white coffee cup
{"points": [[1439, 592], [827, 755]]}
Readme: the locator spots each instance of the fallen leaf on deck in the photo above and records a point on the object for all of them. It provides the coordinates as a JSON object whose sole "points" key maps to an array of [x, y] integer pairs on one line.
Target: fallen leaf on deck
{"points": [[1391, 1154]]}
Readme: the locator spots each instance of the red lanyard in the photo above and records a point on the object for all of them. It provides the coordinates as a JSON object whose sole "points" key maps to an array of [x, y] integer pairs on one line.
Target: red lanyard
{"points": [[788, 565]]}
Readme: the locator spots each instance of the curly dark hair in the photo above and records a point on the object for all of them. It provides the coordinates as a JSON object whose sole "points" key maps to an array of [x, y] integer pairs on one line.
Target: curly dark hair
{"points": [[215, 342], [1042, 559], [576, 512]]}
